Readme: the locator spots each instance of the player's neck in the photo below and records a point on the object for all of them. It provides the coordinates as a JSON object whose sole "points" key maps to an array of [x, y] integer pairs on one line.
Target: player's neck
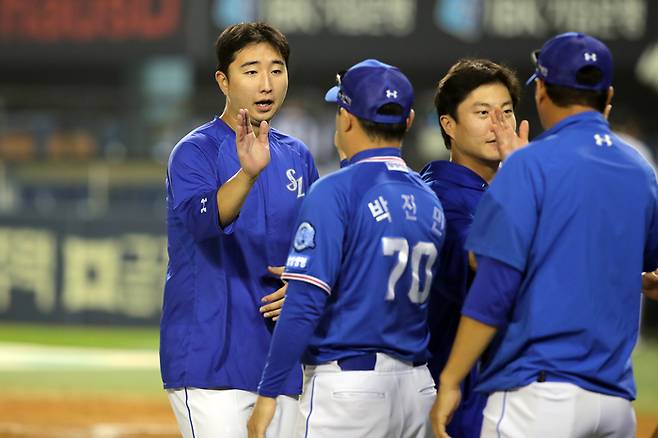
{"points": [[232, 121], [555, 114], [485, 169], [361, 142]]}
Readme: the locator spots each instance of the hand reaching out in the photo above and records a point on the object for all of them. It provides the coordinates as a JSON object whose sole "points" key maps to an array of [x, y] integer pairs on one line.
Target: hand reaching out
{"points": [[276, 299], [253, 152]]}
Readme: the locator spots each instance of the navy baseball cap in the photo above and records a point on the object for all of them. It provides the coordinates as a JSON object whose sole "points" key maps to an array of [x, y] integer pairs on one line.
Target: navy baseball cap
{"points": [[563, 56], [367, 86]]}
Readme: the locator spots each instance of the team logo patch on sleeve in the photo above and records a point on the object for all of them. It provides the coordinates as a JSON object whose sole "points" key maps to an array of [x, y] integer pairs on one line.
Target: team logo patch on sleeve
{"points": [[305, 237]]}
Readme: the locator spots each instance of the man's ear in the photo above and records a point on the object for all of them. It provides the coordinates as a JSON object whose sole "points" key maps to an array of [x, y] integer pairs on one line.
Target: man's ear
{"points": [[449, 125], [540, 91], [222, 81], [346, 120], [608, 102], [410, 119]]}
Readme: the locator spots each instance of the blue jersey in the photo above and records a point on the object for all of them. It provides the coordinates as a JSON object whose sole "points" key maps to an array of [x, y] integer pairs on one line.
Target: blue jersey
{"points": [[576, 213], [459, 189], [369, 235], [212, 333]]}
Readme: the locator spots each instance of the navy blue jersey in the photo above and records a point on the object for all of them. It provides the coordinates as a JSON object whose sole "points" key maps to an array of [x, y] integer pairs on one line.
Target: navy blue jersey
{"points": [[459, 189], [369, 235], [576, 213], [212, 333]]}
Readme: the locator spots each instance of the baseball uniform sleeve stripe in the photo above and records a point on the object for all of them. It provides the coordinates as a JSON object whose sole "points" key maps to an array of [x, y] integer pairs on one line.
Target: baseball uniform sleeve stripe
{"points": [[396, 160], [308, 279]]}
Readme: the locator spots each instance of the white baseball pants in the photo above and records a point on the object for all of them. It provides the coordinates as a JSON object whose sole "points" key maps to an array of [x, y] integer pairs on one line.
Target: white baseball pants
{"points": [[223, 413], [391, 401], [557, 409]]}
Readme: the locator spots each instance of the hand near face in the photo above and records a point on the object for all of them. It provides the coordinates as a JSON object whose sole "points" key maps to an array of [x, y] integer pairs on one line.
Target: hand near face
{"points": [[253, 152], [507, 140]]}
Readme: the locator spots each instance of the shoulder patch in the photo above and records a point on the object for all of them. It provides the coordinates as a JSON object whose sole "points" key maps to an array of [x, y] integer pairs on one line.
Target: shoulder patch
{"points": [[305, 237]]}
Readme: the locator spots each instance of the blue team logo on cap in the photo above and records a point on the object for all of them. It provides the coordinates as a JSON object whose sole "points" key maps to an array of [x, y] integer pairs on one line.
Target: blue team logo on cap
{"points": [[305, 237]]}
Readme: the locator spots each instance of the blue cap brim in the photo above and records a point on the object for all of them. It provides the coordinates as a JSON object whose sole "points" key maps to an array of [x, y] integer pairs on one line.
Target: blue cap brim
{"points": [[332, 95], [531, 79]]}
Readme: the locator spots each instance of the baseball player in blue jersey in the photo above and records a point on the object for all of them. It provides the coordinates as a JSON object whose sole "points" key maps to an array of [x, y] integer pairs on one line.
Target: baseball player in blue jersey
{"points": [[359, 272], [234, 188], [561, 237], [465, 100]]}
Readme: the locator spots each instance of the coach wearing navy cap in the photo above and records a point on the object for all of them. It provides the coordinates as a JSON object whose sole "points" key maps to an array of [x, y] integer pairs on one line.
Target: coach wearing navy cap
{"points": [[561, 237], [359, 271]]}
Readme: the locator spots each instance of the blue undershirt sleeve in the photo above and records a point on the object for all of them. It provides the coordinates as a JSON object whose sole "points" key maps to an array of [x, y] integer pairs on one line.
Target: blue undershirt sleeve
{"points": [[493, 292], [304, 306]]}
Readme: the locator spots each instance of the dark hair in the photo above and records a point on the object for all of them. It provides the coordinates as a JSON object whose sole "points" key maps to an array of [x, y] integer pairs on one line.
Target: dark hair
{"points": [[234, 38], [465, 76], [567, 96], [385, 131]]}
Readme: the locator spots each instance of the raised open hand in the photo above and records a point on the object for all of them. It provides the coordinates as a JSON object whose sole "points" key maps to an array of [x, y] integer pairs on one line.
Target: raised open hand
{"points": [[253, 152]]}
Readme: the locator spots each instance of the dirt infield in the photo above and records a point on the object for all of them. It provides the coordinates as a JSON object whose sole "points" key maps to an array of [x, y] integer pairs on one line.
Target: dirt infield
{"points": [[105, 416], [97, 416]]}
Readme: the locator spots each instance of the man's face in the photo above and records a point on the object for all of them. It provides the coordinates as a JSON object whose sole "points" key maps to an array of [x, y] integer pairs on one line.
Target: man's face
{"points": [[472, 134], [257, 81]]}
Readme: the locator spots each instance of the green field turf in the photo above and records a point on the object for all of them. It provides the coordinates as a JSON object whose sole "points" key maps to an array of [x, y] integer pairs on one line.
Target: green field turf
{"points": [[645, 365], [81, 336], [147, 382], [124, 382]]}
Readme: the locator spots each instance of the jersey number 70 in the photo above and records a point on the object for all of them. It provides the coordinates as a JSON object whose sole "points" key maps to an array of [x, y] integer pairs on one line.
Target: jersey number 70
{"points": [[399, 245]]}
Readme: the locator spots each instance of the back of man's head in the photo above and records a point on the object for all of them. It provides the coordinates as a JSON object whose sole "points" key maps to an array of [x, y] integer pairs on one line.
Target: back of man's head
{"points": [[379, 95], [465, 76], [576, 68]]}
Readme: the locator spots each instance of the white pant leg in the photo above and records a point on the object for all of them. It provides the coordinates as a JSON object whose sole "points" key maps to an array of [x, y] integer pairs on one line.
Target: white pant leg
{"points": [[420, 394], [392, 401], [617, 417], [556, 409], [285, 417], [212, 413]]}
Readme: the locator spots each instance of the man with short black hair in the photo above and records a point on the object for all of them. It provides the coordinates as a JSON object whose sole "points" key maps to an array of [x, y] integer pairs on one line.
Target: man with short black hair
{"points": [[234, 187], [561, 238], [466, 100], [359, 271]]}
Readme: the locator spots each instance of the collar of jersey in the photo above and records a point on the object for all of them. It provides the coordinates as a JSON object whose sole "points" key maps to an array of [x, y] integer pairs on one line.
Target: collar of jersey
{"points": [[223, 126], [378, 155], [587, 116], [454, 173]]}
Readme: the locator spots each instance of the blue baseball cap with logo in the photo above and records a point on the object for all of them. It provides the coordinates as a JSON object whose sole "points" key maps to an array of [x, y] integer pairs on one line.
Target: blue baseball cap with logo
{"points": [[367, 86], [563, 56]]}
